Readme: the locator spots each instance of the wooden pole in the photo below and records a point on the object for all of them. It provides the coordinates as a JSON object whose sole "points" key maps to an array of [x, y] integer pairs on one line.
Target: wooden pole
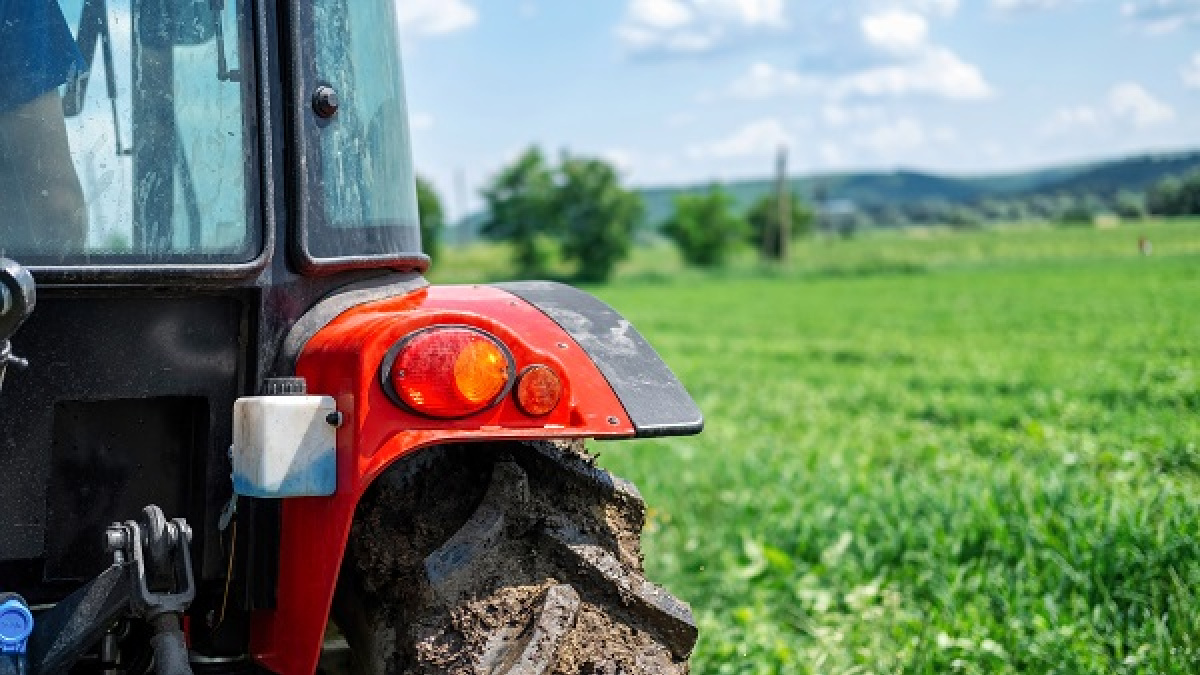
{"points": [[784, 203]]}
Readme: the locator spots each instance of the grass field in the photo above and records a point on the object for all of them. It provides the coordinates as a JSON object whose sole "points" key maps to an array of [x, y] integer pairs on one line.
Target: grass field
{"points": [[930, 452]]}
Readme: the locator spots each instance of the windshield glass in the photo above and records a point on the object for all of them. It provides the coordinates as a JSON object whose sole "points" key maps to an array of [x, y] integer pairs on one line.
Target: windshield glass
{"points": [[121, 132]]}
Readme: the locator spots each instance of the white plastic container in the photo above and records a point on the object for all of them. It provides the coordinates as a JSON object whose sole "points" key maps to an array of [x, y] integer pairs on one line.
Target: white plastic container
{"points": [[284, 446]]}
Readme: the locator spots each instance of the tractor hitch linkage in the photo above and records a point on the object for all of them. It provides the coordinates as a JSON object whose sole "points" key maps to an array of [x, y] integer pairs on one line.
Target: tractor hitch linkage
{"points": [[150, 578]]}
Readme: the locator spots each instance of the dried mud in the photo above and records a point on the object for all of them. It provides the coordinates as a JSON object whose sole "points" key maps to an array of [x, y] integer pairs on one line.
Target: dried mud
{"points": [[494, 617]]}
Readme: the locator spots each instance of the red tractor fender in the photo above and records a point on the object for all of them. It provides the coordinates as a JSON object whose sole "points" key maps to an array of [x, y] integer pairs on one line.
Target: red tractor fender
{"points": [[343, 360]]}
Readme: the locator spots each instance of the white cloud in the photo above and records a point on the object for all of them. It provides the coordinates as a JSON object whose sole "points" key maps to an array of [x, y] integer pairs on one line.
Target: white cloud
{"points": [[660, 14], [901, 136], [761, 138], [1191, 72], [921, 67], [695, 26], [936, 7], [764, 80], [897, 31], [1130, 102], [837, 115], [746, 12], [1163, 16], [897, 58], [933, 71], [1028, 5], [936, 71], [1127, 105], [436, 17], [1072, 118]]}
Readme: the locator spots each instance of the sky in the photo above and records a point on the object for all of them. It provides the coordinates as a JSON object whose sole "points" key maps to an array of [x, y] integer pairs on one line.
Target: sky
{"points": [[696, 91]]}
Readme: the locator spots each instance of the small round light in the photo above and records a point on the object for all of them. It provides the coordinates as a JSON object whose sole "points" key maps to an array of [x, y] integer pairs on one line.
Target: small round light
{"points": [[538, 391], [447, 372]]}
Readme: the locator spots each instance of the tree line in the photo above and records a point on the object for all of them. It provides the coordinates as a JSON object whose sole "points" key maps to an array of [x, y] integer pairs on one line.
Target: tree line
{"points": [[578, 210], [1176, 195]]}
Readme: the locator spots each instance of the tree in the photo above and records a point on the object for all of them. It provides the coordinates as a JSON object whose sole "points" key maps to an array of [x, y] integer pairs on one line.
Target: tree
{"points": [[763, 219], [1164, 197], [1175, 196], [519, 206], [1190, 194], [429, 207], [705, 227], [595, 215], [1077, 214], [1130, 205]]}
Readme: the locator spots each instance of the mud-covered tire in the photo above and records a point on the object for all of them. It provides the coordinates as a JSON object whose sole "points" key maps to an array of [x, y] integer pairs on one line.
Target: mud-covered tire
{"points": [[506, 560]]}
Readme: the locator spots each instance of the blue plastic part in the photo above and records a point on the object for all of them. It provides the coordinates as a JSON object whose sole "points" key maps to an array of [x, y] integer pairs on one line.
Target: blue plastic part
{"points": [[16, 624]]}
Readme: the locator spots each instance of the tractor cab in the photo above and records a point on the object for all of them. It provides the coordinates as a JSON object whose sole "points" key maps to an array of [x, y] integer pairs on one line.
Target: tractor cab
{"points": [[216, 351], [181, 142]]}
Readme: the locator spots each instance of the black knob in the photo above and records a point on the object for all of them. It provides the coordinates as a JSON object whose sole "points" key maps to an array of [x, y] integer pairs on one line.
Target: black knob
{"points": [[284, 386], [325, 102]]}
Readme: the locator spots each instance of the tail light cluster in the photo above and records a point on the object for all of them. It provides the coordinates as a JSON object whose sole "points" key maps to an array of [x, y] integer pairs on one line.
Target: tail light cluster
{"points": [[449, 372]]}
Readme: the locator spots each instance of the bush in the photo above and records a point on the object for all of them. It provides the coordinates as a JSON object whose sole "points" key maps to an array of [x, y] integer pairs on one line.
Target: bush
{"points": [[579, 204], [429, 207], [1130, 205], [595, 215], [519, 201], [1077, 214], [763, 221], [705, 227]]}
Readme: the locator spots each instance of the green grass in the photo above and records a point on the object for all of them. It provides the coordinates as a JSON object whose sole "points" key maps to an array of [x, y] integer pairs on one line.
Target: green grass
{"points": [[932, 452]]}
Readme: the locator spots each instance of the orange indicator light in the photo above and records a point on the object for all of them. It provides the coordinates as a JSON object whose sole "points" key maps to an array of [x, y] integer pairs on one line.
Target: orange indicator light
{"points": [[538, 391]]}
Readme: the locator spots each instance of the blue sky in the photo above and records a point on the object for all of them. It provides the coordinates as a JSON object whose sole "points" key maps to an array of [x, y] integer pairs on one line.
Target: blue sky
{"points": [[681, 91]]}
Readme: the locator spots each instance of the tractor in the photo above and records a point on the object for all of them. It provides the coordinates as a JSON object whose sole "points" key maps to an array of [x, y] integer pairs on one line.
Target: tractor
{"points": [[239, 430]]}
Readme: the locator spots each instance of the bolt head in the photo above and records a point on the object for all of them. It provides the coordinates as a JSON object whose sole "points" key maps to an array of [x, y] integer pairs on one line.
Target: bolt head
{"points": [[117, 539], [325, 102]]}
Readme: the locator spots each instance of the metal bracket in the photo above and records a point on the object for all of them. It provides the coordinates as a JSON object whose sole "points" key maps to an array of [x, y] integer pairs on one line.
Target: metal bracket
{"points": [[161, 580], [150, 553], [166, 546]]}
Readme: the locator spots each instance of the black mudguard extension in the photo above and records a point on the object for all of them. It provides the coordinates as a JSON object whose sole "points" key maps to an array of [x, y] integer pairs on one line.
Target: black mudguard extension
{"points": [[656, 402]]}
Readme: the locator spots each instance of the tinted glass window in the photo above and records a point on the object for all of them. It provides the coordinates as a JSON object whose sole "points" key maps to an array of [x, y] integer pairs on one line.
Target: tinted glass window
{"points": [[121, 136], [365, 169]]}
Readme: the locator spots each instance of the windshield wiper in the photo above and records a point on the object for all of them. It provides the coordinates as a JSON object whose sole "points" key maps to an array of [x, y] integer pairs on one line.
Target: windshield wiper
{"points": [[224, 73], [93, 28]]}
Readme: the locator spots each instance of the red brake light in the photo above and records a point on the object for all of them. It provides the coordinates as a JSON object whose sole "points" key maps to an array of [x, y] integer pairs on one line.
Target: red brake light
{"points": [[448, 372]]}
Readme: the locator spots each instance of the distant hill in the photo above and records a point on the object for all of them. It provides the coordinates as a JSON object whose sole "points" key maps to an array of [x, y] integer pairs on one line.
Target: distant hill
{"points": [[876, 190], [904, 187]]}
